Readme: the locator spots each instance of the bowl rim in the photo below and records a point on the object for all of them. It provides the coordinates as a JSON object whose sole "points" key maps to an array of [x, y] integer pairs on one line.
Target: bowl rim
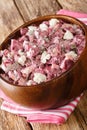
{"points": [[67, 18]]}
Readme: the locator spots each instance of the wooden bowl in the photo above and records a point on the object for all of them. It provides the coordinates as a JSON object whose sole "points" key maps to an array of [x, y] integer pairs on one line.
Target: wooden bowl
{"points": [[56, 92]]}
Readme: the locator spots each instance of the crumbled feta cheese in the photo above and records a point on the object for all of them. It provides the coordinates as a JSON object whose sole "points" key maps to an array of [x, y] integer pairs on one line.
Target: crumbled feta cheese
{"points": [[34, 46], [68, 35], [4, 58], [9, 55], [30, 53], [22, 59], [27, 70], [38, 77], [25, 43], [68, 56], [44, 57], [29, 82], [53, 22], [20, 52], [43, 27], [36, 33], [16, 74], [71, 55], [31, 30]]}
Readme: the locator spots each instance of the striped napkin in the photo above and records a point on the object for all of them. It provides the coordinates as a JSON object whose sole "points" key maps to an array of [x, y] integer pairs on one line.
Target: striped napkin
{"points": [[80, 16], [58, 115]]}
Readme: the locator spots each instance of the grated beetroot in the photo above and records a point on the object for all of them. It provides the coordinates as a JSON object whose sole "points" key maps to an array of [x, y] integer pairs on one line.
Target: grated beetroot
{"points": [[42, 52]]}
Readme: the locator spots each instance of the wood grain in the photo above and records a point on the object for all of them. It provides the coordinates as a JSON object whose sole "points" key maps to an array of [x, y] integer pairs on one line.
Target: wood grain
{"points": [[32, 8], [10, 18], [74, 5], [12, 122], [12, 14], [81, 112]]}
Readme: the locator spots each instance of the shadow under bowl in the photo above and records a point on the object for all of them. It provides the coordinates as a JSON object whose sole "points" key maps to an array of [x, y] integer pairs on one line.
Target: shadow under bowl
{"points": [[56, 92]]}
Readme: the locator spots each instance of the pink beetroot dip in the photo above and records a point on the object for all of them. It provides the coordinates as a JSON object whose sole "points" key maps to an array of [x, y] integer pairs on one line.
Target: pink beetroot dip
{"points": [[42, 52]]}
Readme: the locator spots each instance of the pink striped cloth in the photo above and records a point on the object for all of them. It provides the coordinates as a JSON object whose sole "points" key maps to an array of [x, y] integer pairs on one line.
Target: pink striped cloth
{"points": [[58, 115]]}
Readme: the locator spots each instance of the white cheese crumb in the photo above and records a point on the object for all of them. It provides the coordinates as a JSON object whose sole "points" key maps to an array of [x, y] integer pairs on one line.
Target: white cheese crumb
{"points": [[22, 59], [29, 82], [43, 27], [38, 78], [71, 55], [31, 30], [27, 70], [53, 22], [9, 55], [30, 53], [68, 35], [4, 58], [36, 33], [44, 57], [25, 43], [34, 46], [20, 52]]}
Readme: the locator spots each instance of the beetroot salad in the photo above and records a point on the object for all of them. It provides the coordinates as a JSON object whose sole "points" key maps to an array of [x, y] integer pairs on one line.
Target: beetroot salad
{"points": [[42, 52]]}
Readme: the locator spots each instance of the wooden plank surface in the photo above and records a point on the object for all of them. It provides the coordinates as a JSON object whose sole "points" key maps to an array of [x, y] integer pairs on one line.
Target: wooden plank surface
{"points": [[74, 5], [12, 122], [13, 14], [33, 8], [9, 18]]}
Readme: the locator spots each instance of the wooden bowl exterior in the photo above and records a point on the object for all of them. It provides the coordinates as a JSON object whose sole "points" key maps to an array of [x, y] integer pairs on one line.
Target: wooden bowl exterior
{"points": [[57, 92]]}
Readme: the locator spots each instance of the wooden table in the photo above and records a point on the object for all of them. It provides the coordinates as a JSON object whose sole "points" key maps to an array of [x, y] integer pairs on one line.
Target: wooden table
{"points": [[14, 13]]}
